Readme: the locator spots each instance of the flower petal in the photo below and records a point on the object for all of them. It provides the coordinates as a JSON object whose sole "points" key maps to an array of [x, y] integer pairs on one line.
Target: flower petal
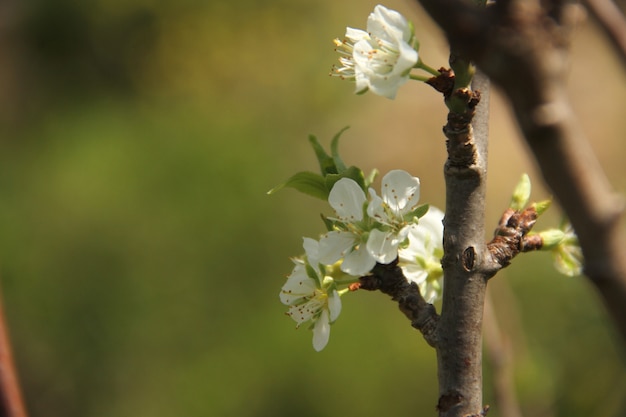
{"points": [[383, 246], [400, 191], [321, 331], [347, 199], [297, 287], [334, 305], [355, 35], [311, 248], [358, 262], [375, 208], [388, 24], [335, 245], [414, 273]]}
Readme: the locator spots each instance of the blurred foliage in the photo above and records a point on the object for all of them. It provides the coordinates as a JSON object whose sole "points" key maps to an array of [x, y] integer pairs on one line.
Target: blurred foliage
{"points": [[141, 259]]}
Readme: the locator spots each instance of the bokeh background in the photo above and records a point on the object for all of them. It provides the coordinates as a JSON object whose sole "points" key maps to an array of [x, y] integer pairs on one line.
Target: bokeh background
{"points": [[141, 258]]}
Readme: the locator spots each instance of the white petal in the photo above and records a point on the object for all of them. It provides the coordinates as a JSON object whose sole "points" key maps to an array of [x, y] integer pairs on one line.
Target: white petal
{"points": [[321, 331], [432, 221], [311, 248], [406, 60], [347, 199], [414, 273], [386, 86], [383, 246], [358, 262], [384, 21], [355, 35], [334, 305], [400, 191], [375, 208], [298, 286], [335, 245]]}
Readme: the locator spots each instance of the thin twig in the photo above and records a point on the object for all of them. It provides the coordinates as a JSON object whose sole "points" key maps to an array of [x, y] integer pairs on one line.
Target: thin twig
{"points": [[11, 403]]}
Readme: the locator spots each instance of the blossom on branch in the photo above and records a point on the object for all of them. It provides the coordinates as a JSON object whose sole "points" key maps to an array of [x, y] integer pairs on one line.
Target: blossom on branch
{"points": [[400, 194], [380, 59], [348, 241], [369, 231], [312, 296], [421, 259]]}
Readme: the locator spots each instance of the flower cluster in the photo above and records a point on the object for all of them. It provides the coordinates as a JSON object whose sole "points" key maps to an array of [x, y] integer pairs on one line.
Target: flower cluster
{"points": [[366, 232], [366, 229]]}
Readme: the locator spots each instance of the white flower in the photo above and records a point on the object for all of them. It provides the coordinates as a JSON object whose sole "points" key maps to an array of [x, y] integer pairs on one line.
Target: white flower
{"points": [[348, 200], [381, 58], [421, 259], [362, 239], [313, 300], [400, 194]]}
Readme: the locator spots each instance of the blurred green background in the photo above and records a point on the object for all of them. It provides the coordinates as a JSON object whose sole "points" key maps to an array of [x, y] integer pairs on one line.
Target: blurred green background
{"points": [[141, 259]]}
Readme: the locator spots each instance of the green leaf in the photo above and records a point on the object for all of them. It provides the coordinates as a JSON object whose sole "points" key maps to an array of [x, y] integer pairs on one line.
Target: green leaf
{"points": [[353, 173], [334, 150], [371, 177], [306, 182], [327, 164]]}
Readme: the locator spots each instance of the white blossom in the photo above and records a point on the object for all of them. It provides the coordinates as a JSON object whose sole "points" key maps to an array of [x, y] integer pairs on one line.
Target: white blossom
{"points": [[381, 58], [349, 243], [312, 300], [400, 194], [421, 259]]}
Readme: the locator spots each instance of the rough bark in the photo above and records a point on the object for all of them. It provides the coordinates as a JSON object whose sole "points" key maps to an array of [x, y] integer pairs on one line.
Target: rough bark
{"points": [[459, 335]]}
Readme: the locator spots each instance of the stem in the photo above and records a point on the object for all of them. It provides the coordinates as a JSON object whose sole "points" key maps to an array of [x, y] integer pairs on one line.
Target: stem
{"points": [[346, 281], [420, 65], [419, 77]]}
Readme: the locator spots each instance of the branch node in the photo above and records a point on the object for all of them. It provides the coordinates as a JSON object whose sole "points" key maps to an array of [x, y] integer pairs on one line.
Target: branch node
{"points": [[469, 258]]}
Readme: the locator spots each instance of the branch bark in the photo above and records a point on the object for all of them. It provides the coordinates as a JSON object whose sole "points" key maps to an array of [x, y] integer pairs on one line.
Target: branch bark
{"points": [[11, 404], [459, 348], [522, 46]]}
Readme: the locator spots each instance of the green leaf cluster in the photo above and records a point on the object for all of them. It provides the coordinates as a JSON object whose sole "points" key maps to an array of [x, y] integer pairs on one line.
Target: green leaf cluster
{"points": [[332, 169]]}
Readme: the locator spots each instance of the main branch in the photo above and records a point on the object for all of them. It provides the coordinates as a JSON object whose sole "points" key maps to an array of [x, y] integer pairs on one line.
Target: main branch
{"points": [[459, 349]]}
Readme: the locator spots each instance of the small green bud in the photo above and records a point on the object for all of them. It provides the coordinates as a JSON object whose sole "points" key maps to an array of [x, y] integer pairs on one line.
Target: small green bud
{"points": [[551, 238], [521, 194], [541, 206]]}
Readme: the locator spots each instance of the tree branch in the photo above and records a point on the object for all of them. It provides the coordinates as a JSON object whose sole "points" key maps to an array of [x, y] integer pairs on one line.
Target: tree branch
{"points": [[459, 349], [522, 46], [390, 280], [11, 404]]}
